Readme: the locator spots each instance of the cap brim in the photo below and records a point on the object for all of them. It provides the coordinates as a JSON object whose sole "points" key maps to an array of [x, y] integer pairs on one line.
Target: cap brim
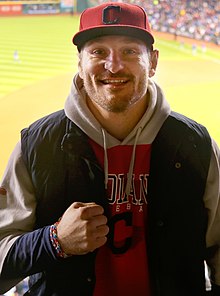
{"points": [[82, 37]]}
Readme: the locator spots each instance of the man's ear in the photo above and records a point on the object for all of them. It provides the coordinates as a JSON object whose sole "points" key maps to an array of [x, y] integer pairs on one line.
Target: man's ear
{"points": [[79, 65], [153, 63], [79, 69]]}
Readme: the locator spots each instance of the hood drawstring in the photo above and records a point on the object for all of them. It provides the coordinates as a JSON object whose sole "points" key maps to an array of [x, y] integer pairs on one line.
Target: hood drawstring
{"points": [[131, 167], [105, 158]]}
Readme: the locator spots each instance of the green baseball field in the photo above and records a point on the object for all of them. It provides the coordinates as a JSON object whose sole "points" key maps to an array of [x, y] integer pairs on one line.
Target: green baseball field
{"points": [[38, 61]]}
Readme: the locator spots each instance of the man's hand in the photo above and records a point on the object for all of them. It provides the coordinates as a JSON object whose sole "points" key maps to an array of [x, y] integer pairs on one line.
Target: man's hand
{"points": [[82, 228]]}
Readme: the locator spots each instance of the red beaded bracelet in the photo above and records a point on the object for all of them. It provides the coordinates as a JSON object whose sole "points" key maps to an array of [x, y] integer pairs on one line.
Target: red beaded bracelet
{"points": [[55, 242]]}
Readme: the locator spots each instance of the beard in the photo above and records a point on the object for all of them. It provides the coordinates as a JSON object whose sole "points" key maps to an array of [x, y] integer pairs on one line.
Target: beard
{"points": [[114, 100]]}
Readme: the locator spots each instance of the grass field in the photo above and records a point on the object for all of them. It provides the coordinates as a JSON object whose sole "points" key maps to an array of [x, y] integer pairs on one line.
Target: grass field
{"points": [[39, 81]]}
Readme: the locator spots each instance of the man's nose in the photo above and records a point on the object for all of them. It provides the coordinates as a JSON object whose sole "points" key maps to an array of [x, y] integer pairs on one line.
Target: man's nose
{"points": [[113, 63]]}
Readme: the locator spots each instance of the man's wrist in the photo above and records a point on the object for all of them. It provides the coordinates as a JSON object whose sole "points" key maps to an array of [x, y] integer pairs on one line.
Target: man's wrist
{"points": [[55, 242]]}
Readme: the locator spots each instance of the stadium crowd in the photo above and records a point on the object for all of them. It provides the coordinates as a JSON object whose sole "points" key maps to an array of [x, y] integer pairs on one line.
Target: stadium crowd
{"points": [[199, 19]]}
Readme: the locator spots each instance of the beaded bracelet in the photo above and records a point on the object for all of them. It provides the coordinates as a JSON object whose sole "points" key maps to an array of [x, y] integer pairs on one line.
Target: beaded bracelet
{"points": [[55, 242]]}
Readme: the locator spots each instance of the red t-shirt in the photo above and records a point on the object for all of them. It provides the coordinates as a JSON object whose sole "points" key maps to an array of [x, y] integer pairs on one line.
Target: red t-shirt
{"points": [[122, 263]]}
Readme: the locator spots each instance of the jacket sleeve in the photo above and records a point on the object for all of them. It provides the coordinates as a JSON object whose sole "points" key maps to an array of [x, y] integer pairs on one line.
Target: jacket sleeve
{"points": [[17, 218], [212, 203], [31, 253], [17, 203]]}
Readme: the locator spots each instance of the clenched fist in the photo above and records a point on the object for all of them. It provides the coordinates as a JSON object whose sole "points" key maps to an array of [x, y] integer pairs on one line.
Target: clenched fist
{"points": [[82, 228]]}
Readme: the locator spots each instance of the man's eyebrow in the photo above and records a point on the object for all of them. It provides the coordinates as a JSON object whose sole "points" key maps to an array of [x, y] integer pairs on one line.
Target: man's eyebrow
{"points": [[132, 40], [126, 39]]}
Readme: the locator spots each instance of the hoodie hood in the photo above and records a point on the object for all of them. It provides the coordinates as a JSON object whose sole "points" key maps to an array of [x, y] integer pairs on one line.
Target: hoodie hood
{"points": [[143, 133], [147, 128]]}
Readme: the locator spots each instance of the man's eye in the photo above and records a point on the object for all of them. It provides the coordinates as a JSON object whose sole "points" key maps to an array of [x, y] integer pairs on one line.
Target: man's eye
{"points": [[130, 51], [98, 52]]}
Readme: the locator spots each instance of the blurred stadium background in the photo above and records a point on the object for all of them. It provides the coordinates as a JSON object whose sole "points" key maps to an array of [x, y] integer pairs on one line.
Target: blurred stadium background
{"points": [[195, 19], [38, 61]]}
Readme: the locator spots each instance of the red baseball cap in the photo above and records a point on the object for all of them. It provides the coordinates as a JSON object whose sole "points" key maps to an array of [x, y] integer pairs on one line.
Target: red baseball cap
{"points": [[113, 18]]}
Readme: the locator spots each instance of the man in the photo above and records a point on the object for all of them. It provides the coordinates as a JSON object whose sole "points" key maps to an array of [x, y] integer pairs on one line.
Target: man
{"points": [[115, 195]]}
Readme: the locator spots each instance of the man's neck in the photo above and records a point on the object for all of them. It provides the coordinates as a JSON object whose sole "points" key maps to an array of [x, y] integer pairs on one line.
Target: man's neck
{"points": [[119, 125]]}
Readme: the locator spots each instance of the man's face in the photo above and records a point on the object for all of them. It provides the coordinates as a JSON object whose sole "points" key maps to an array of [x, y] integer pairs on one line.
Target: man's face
{"points": [[115, 71]]}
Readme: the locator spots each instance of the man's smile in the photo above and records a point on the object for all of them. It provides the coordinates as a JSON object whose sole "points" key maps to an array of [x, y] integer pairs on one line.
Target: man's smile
{"points": [[114, 81]]}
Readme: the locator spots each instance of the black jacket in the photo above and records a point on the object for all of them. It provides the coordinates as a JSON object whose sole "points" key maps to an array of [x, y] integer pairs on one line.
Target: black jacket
{"points": [[64, 169]]}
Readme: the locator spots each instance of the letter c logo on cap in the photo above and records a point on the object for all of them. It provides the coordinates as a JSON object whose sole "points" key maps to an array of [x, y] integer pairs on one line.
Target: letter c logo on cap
{"points": [[110, 15]]}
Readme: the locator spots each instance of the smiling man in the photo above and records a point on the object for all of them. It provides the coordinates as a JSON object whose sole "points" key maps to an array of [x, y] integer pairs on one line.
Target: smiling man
{"points": [[115, 72], [116, 194]]}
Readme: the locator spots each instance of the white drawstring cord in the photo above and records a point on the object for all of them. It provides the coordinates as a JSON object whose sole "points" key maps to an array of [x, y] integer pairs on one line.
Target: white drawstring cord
{"points": [[105, 158], [131, 167]]}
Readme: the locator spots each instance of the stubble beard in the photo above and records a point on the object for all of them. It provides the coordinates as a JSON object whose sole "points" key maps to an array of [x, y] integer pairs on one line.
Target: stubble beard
{"points": [[111, 102]]}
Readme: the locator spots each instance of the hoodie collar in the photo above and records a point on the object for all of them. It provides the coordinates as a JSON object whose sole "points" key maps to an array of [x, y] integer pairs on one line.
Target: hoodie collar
{"points": [[77, 111], [145, 131]]}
